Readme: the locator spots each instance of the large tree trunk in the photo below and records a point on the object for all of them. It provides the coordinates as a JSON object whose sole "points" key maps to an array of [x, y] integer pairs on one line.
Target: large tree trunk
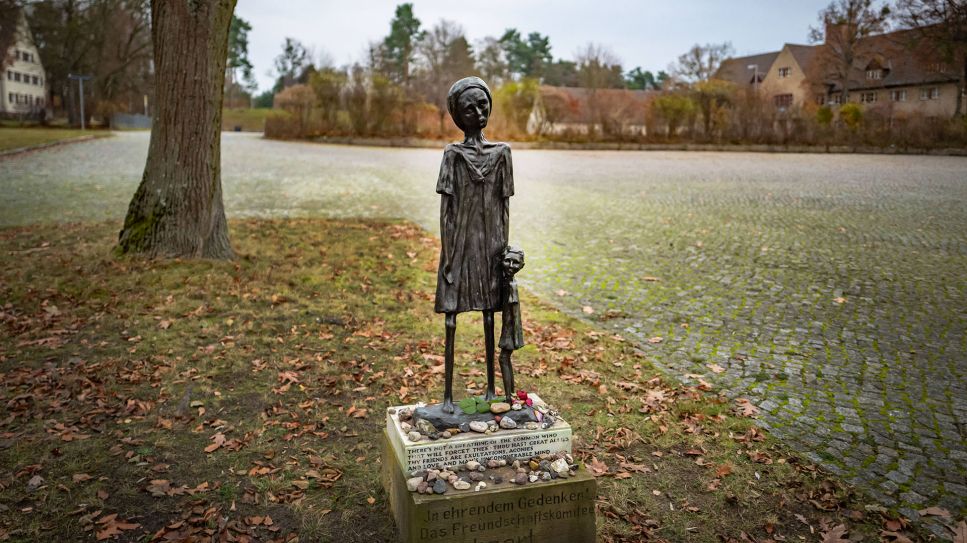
{"points": [[177, 210]]}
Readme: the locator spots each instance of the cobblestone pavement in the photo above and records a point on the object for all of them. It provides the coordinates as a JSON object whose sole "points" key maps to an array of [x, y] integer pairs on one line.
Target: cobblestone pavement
{"points": [[830, 289]]}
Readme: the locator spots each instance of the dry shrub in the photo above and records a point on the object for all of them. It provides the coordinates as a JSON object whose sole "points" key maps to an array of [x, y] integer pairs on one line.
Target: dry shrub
{"points": [[298, 101], [283, 126]]}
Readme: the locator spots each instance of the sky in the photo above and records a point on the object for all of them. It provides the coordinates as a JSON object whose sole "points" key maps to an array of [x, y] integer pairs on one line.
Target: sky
{"points": [[646, 33]]}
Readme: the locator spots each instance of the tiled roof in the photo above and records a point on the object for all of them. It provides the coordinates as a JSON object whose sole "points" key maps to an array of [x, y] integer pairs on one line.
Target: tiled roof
{"points": [[737, 69], [804, 54], [905, 58]]}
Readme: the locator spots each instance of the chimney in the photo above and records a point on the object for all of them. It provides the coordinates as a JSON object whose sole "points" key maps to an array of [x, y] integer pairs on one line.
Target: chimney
{"points": [[834, 30]]}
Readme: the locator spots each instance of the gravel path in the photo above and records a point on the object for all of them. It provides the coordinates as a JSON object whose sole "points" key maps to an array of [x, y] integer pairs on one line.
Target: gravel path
{"points": [[828, 288]]}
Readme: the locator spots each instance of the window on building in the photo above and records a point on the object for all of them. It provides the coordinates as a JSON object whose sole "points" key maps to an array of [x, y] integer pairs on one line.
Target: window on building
{"points": [[34, 79], [16, 76], [868, 97], [9, 75], [930, 93], [785, 72], [836, 98], [898, 96], [783, 100], [876, 74], [10, 97]]}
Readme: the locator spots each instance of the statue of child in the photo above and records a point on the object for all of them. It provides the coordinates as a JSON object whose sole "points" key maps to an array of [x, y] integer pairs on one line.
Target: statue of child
{"points": [[511, 329]]}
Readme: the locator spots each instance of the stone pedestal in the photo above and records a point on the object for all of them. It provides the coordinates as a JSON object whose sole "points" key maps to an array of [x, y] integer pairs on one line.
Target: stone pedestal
{"points": [[461, 448], [560, 510]]}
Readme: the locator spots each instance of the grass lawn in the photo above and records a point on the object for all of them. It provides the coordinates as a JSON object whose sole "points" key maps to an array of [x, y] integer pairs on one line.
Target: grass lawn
{"points": [[151, 401], [16, 138], [250, 119]]}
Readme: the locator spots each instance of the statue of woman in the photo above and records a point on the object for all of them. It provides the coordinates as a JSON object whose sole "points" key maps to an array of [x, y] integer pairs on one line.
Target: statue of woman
{"points": [[475, 185]]}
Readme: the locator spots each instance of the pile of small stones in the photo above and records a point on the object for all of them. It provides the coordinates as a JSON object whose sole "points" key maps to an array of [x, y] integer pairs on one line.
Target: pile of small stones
{"points": [[474, 474], [419, 429]]}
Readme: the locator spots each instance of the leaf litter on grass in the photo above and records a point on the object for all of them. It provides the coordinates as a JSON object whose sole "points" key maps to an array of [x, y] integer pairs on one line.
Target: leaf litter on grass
{"points": [[174, 399]]}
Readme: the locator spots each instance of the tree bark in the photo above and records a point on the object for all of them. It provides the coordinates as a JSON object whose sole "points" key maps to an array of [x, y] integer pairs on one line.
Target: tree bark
{"points": [[177, 210]]}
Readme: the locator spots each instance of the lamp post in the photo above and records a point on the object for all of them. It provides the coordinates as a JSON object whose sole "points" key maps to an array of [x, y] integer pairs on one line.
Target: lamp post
{"points": [[755, 76], [80, 81]]}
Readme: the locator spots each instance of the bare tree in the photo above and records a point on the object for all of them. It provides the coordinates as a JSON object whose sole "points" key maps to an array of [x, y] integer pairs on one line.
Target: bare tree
{"points": [[598, 68], [10, 17], [384, 102], [357, 100], [701, 62], [941, 30], [122, 72], [711, 97], [109, 39], [844, 25], [444, 57], [177, 210], [492, 61], [329, 84]]}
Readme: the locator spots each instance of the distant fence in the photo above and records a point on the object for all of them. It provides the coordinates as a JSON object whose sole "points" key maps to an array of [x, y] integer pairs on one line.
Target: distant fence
{"points": [[130, 121]]}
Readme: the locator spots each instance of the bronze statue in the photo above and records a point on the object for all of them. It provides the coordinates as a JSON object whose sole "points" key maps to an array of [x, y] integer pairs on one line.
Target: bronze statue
{"points": [[511, 328], [475, 185]]}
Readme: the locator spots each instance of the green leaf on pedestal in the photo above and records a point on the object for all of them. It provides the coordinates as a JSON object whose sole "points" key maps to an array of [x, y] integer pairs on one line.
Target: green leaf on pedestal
{"points": [[468, 405]]}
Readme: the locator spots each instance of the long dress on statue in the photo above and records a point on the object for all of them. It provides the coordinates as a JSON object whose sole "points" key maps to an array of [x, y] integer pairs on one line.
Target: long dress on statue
{"points": [[475, 187]]}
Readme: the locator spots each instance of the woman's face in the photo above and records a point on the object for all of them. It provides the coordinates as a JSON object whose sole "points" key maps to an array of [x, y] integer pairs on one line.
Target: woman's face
{"points": [[474, 109]]}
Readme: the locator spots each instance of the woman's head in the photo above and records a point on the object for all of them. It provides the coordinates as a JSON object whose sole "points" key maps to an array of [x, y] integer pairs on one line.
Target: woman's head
{"points": [[469, 103]]}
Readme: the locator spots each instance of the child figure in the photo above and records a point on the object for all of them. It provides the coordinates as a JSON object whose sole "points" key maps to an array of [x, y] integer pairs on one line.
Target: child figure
{"points": [[511, 329]]}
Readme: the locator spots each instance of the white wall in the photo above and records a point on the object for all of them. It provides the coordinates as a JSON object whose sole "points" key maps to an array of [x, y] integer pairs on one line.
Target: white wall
{"points": [[25, 95]]}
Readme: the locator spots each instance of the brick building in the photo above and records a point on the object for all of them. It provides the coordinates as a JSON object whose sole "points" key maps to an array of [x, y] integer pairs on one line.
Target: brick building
{"points": [[895, 71]]}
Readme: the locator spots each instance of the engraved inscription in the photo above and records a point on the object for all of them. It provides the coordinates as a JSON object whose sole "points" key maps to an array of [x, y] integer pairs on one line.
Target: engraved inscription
{"points": [[521, 517], [458, 452]]}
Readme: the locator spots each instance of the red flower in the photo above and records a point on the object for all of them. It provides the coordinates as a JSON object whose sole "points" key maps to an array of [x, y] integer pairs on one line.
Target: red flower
{"points": [[522, 394], [529, 402]]}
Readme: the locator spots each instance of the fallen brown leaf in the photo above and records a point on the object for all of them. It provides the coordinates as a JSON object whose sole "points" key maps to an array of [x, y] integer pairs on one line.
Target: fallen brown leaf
{"points": [[894, 537], [217, 441], [597, 467], [745, 408], [836, 534], [960, 532], [935, 512]]}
